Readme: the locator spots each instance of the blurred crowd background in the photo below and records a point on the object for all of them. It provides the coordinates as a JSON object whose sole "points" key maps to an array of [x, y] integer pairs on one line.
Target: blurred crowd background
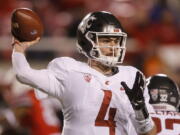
{"points": [[153, 46]]}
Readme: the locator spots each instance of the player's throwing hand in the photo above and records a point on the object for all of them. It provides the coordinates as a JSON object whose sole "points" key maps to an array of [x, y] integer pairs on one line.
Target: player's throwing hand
{"points": [[22, 46]]}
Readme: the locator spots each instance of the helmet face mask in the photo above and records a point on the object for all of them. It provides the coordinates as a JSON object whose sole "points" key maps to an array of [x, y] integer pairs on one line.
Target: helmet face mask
{"points": [[164, 93], [118, 50], [101, 25]]}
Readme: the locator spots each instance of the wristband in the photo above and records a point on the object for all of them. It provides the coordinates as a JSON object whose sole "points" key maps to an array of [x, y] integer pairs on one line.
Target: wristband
{"points": [[144, 126], [141, 114]]}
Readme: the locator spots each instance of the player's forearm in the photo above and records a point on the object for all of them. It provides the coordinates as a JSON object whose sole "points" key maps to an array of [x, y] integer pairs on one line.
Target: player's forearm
{"points": [[145, 124], [144, 127], [20, 65], [25, 74]]}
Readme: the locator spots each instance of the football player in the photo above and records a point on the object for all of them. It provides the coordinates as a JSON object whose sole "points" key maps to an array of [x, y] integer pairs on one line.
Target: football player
{"points": [[99, 97], [165, 98]]}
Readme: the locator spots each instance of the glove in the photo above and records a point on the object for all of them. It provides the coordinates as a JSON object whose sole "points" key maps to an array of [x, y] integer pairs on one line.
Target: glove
{"points": [[136, 98], [135, 94]]}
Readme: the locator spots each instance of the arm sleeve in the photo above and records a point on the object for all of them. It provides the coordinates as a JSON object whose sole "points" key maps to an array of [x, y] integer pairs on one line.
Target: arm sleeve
{"points": [[43, 80]]}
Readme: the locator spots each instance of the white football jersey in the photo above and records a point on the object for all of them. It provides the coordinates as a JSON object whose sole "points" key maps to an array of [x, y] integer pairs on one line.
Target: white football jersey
{"points": [[167, 122], [92, 103], [81, 88]]}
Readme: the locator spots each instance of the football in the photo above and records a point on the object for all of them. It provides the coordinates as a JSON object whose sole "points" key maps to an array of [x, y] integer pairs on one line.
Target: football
{"points": [[26, 25]]}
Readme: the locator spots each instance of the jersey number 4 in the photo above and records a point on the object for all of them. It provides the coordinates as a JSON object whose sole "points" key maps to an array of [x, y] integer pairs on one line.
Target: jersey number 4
{"points": [[100, 120]]}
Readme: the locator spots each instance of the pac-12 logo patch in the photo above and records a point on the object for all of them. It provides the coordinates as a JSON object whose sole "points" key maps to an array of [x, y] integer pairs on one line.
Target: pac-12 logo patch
{"points": [[87, 77]]}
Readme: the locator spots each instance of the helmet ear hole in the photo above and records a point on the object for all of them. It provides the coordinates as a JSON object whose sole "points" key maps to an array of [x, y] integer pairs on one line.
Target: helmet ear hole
{"points": [[91, 36], [94, 52]]}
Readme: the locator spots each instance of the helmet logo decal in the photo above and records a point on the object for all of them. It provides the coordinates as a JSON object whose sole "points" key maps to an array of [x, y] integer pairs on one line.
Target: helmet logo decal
{"points": [[85, 23]]}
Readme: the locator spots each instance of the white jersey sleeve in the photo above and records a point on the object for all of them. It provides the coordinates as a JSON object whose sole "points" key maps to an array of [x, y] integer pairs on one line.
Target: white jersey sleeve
{"points": [[25, 74], [51, 80]]}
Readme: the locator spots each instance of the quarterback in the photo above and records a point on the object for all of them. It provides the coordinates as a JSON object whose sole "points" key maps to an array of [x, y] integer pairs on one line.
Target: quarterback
{"points": [[165, 98], [100, 97]]}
